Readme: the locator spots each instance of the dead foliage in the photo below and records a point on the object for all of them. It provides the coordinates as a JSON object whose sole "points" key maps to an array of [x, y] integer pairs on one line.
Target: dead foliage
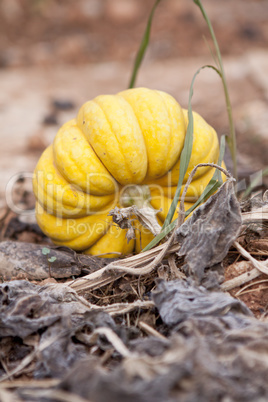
{"points": [[163, 325]]}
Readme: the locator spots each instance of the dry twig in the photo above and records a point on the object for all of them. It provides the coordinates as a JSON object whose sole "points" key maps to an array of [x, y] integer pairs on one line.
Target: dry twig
{"points": [[106, 275], [260, 267], [243, 290], [150, 331]]}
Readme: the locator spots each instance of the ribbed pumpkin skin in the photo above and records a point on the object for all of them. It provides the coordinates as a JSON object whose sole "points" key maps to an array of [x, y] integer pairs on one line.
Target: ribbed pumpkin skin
{"points": [[132, 138]]}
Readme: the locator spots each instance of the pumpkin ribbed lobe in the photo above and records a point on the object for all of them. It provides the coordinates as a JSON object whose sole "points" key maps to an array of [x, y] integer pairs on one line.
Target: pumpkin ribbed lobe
{"points": [[177, 127], [112, 130], [78, 163], [58, 196], [205, 150], [157, 116]]}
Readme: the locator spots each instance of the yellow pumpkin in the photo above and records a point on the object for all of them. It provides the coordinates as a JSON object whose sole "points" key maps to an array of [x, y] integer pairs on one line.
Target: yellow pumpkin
{"points": [[120, 150]]}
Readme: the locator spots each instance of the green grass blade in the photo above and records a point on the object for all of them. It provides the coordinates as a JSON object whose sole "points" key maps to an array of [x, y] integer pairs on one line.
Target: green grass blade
{"points": [[160, 236], [187, 150], [217, 173], [143, 46], [231, 140]]}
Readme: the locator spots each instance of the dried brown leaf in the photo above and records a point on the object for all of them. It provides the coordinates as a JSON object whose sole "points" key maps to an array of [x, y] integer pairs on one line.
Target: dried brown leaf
{"points": [[207, 235]]}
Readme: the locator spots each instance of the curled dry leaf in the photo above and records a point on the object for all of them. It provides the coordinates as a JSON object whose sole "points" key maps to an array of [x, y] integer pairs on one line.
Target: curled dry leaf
{"points": [[207, 235]]}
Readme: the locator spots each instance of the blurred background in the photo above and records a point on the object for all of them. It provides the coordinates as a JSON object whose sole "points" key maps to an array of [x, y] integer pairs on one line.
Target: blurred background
{"points": [[57, 54]]}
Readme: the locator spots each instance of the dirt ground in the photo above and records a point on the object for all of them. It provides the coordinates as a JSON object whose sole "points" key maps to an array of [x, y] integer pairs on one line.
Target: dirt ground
{"points": [[70, 52]]}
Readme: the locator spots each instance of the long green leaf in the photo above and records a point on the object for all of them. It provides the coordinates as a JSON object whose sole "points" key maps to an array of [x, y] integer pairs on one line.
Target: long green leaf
{"points": [[217, 173], [187, 150], [231, 139], [143, 47]]}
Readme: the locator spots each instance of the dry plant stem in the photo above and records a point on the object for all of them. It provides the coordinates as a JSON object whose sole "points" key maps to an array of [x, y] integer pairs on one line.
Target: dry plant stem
{"points": [[257, 264], [259, 252], [111, 336], [172, 265], [83, 301], [243, 290], [150, 331], [47, 383], [175, 273], [6, 369], [148, 268], [55, 394], [190, 178], [240, 280], [123, 308], [142, 258], [106, 356], [259, 268], [253, 290], [232, 138], [98, 278], [116, 308], [114, 339]]}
